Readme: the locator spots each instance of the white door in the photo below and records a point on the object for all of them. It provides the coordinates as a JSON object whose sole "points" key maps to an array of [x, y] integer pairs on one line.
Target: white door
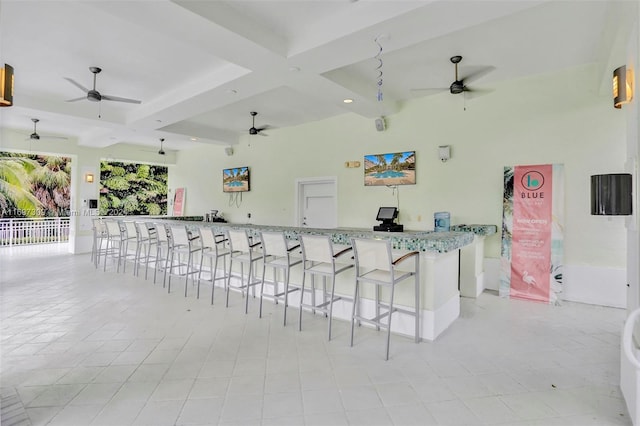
{"points": [[316, 203]]}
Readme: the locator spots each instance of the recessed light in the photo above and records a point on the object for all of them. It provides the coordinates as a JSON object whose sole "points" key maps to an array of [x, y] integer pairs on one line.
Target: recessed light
{"points": [[347, 101], [158, 121], [194, 139], [232, 91]]}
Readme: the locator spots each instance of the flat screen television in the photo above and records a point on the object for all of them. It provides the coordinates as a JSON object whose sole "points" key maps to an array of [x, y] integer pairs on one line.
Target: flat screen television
{"points": [[395, 168], [235, 179]]}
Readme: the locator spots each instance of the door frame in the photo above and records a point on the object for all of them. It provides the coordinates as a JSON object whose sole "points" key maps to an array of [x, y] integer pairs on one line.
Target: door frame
{"points": [[299, 199]]}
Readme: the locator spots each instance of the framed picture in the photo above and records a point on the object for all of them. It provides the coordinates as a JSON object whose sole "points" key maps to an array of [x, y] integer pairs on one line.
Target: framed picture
{"points": [[396, 168], [235, 180]]}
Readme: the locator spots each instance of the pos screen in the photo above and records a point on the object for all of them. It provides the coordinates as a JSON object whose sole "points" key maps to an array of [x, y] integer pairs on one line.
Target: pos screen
{"points": [[387, 213]]}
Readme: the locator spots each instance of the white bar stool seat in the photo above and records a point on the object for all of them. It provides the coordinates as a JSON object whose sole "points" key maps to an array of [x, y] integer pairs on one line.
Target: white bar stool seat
{"points": [[214, 247], [320, 257], [99, 247], [116, 242], [279, 254], [244, 252], [159, 232], [377, 264], [144, 244], [182, 243]]}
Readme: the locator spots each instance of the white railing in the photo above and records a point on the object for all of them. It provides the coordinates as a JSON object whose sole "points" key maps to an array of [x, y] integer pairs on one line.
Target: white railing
{"points": [[15, 232]]}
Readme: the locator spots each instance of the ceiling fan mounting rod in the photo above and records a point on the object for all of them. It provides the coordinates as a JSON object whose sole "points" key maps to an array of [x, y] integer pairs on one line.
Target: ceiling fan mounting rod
{"points": [[456, 60], [95, 71]]}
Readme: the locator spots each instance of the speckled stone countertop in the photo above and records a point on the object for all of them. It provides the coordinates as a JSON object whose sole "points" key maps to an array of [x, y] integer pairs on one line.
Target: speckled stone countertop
{"points": [[484, 230], [428, 241]]}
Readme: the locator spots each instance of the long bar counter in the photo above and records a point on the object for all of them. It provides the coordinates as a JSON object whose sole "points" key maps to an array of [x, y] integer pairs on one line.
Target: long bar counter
{"points": [[439, 270]]}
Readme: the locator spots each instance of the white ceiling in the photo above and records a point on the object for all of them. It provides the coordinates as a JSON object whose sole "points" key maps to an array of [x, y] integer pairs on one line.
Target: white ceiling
{"points": [[200, 67]]}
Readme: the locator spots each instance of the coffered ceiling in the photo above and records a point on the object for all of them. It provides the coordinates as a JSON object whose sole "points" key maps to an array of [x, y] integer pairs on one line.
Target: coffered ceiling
{"points": [[200, 67]]}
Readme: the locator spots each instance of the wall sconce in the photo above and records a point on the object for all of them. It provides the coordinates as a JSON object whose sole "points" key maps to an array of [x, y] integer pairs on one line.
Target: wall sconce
{"points": [[622, 86], [6, 86], [88, 178]]}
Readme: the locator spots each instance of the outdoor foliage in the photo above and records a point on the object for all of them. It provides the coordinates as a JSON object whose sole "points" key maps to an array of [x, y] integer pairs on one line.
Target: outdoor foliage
{"points": [[34, 185], [132, 189]]}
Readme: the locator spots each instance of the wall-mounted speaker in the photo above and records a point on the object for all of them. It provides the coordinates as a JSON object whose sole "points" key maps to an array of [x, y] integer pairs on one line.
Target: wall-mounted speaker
{"points": [[380, 124], [229, 151], [611, 194]]}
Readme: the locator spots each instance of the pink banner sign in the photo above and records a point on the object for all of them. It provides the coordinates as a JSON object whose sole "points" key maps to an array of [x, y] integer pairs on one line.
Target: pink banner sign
{"points": [[178, 202], [531, 234]]}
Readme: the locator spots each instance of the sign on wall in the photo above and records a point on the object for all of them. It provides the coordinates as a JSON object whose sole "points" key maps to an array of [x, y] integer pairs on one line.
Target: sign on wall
{"points": [[532, 233], [178, 202]]}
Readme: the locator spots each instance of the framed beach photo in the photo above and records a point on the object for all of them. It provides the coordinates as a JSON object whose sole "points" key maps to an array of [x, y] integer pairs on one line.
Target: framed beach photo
{"points": [[396, 168], [235, 180]]}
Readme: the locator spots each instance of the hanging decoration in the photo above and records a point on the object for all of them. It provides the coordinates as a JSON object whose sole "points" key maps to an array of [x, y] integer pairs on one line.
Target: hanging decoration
{"points": [[379, 67]]}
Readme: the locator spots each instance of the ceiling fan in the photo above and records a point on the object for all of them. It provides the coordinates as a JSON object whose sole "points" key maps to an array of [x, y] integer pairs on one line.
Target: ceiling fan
{"points": [[35, 136], [256, 131], [459, 85], [93, 95]]}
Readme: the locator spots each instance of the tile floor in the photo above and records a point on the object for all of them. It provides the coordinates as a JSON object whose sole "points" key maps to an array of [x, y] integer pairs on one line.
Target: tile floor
{"points": [[85, 347]]}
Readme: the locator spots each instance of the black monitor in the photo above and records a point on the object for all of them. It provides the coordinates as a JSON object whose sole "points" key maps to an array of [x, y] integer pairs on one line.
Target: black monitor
{"points": [[387, 214]]}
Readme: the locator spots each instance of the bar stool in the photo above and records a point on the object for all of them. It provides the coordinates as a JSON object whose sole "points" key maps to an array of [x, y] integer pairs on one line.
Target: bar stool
{"points": [[159, 233], [277, 255], [182, 242], [320, 258], [244, 252], [130, 236], [115, 242], [377, 264], [98, 247], [214, 247], [144, 243]]}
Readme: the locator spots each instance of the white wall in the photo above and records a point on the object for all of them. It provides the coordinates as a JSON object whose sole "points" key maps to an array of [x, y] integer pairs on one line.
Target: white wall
{"points": [[547, 119]]}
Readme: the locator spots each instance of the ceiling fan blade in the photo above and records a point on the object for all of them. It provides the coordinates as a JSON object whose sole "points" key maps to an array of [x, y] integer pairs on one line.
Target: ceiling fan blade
{"points": [[118, 99], [429, 89], [478, 74], [476, 93], [426, 91], [76, 99], [49, 137], [60, 138], [75, 83]]}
